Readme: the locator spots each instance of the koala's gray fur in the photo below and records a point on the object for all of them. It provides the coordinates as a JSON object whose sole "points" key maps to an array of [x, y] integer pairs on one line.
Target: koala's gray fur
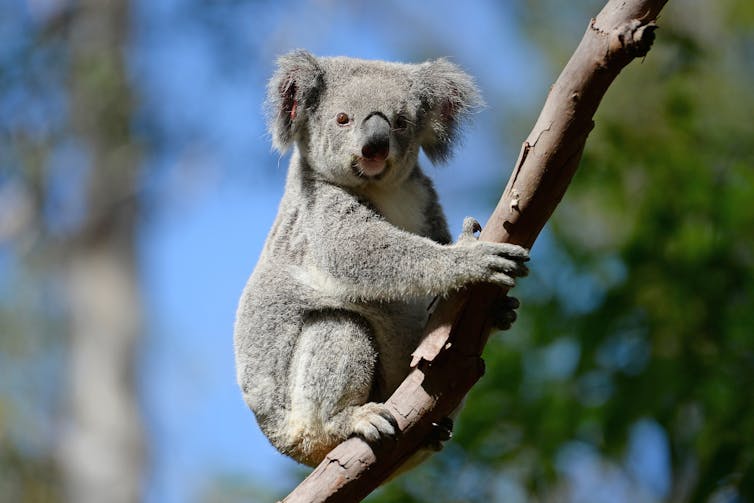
{"points": [[338, 300]]}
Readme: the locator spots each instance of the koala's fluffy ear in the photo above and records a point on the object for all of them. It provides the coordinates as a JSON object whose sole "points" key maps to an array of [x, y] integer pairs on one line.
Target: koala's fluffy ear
{"points": [[448, 96], [293, 90]]}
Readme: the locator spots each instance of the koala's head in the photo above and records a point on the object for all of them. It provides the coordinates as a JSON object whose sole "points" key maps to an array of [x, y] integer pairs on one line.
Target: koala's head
{"points": [[357, 121]]}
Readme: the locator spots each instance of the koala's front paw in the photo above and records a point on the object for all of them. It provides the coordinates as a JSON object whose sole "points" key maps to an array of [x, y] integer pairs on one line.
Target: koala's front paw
{"points": [[373, 421], [482, 261], [504, 313]]}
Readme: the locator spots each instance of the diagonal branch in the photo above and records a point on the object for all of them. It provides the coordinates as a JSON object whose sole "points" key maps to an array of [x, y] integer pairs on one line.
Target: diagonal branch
{"points": [[447, 363]]}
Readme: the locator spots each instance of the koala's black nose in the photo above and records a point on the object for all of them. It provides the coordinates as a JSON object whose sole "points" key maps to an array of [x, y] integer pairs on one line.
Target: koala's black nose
{"points": [[376, 146]]}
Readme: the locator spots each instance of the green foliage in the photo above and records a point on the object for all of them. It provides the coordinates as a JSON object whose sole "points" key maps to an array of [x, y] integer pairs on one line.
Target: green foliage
{"points": [[26, 478], [640, 303]]}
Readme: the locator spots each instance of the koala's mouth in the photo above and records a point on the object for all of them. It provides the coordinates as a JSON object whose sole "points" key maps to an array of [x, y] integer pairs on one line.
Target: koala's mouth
{"points": [[370, 169]]}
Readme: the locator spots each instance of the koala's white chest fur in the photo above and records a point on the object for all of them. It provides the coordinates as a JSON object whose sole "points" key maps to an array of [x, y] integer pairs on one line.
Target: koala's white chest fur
{"points": [[403, 205]]}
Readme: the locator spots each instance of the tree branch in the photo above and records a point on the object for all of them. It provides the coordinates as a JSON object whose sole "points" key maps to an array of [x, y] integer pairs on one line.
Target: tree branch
{"points": [[447, 363]]}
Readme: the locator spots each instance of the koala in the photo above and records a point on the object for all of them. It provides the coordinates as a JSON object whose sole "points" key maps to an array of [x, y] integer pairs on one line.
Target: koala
{"points": [[339, 298]]}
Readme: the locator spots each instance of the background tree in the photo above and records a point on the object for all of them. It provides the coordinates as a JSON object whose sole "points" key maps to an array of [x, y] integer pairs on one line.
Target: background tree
{"points": [[69, 179]]}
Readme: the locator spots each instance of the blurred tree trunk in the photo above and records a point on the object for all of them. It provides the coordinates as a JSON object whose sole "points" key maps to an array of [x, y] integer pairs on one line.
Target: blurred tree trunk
{"points": [[102, 449]]}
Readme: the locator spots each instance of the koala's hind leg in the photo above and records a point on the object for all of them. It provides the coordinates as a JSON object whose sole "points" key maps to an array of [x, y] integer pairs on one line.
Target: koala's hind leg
{"points": [[332, 376]]}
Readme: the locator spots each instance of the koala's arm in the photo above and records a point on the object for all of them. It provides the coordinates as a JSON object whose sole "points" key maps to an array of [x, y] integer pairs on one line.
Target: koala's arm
{"points": [[438, 227], [360, 256]]}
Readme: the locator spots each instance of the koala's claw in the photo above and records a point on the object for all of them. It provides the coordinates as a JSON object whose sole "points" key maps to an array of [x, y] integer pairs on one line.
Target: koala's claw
{"points": [[502, 279], [373, 421], [470, 227]]}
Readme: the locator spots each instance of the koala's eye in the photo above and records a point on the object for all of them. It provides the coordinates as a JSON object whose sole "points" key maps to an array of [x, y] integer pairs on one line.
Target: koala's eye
{"points": [[401, 122], [342, 119]]}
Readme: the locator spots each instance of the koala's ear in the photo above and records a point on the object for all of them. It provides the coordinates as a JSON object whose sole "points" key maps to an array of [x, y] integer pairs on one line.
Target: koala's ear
{"points": [[448, 96], [293, 90]]}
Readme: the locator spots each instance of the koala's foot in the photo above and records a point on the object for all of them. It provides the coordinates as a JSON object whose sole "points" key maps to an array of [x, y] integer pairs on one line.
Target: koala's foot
{"points": [[504, 313], [309, 439], [442, 431], [373, 422]]}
